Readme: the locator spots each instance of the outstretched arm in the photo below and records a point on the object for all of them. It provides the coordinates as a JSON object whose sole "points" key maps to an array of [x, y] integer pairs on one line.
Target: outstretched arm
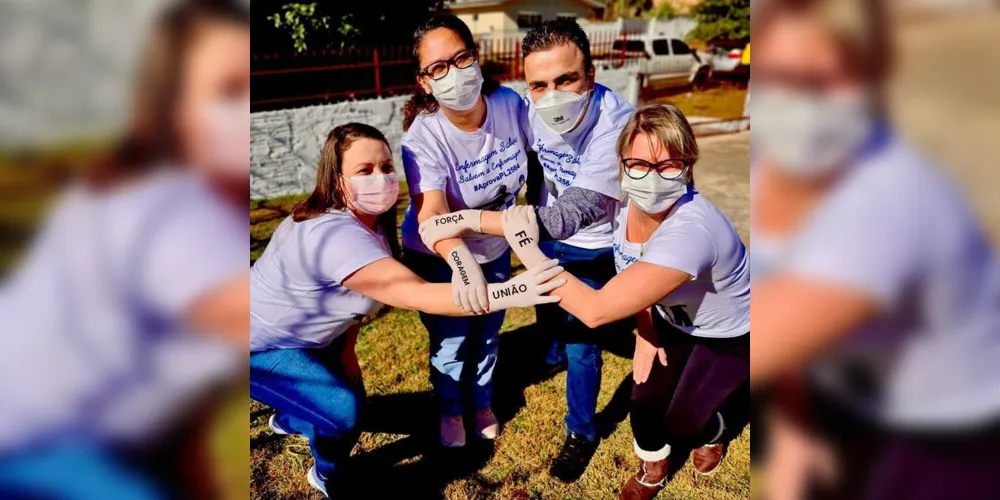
{"points": [[576, 209], [637, 288], [389, 282]]}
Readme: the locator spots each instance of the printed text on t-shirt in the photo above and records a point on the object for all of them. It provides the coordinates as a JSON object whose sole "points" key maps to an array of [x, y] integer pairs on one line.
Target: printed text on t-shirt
{"points": [[561, 166]]}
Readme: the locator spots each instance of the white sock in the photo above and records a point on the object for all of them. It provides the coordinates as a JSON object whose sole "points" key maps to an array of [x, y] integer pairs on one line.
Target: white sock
{"points": [[722, 428]]}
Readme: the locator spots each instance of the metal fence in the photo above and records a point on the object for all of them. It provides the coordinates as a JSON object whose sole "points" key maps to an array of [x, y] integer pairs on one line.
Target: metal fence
{"points": [[324, 76]]}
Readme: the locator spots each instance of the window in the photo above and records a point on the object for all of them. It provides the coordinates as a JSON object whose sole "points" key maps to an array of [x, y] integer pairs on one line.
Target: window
{"points": [[680, 48], [661, 47], [527, 20], [630, 46]]}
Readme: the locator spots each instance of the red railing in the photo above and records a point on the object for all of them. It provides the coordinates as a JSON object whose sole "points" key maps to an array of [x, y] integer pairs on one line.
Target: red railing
{"points": [[318, 76]]}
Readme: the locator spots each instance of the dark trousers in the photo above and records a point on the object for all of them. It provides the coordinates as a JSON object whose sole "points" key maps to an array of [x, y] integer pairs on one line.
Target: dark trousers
{"points": [[677, 405]]}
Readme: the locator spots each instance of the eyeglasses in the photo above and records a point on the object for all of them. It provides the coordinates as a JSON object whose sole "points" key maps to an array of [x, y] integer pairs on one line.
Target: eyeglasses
{"points": [[439, 69], [666, 169]]}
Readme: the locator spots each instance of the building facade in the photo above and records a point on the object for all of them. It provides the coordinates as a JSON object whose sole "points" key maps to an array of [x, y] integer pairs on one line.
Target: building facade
{"points": [[498, 18]]}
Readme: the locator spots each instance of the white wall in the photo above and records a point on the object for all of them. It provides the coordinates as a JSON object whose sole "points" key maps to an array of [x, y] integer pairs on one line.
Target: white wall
{"points": [[285, 145]]}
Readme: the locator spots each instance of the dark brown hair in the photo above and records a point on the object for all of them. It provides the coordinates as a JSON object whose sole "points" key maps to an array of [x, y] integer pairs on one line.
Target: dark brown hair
{"points": [[329, 192], [151, 137], [558, 32], [422, 101]]}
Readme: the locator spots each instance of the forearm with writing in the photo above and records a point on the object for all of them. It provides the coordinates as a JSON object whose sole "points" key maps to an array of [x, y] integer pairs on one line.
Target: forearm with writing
{"points": [[527, 250], [443, 247]]}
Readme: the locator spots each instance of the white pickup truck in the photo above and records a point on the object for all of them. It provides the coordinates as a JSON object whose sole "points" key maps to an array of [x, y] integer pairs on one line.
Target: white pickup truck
{"points": [[661, 61]]}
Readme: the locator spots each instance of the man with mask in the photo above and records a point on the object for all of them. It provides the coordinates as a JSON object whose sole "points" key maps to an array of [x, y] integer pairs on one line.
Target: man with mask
{"points": [[573, 123]]}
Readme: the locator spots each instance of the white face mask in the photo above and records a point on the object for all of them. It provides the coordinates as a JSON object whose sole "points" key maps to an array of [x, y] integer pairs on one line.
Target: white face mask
{"points": [[654, 194], [459, 89], [810, 135], [562, 111], [227, 125], [374, 194]]}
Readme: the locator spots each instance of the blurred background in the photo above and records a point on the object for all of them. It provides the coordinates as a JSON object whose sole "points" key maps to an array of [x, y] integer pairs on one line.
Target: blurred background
{"points": [[943, 99]]}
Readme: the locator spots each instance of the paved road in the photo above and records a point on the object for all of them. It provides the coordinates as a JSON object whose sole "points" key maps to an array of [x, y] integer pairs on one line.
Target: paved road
{"points": [[722, 174], [946, 99]]}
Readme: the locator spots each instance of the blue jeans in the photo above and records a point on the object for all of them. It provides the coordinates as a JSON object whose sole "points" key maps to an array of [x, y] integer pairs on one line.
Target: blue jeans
{"points": [[72, 470], [455, 341], [574, 343], [311, 397]]}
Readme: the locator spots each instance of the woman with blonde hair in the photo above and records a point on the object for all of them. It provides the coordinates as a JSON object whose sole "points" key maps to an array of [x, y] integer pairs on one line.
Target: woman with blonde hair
{"points": [[877, 303], [683, 273]]}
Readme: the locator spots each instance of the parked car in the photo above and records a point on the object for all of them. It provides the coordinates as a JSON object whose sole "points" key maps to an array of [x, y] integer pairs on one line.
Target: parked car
{"points": [[730, 57], [662, 61]]}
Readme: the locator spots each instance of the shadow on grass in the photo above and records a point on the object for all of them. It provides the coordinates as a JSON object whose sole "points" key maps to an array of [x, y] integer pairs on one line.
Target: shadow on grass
{"points": [[429, 468]]}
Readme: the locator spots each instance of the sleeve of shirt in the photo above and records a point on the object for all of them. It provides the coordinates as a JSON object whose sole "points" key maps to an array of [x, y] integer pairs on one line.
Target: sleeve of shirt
{"points": [[576, 209], [864, 242], [187, 254], [599, 166], [343, 248], [424, 171], [524, 119], [687, 247]]}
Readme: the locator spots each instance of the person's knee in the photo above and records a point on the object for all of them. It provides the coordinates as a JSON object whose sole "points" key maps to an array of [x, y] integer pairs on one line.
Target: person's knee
{"points": [[342, 410]]}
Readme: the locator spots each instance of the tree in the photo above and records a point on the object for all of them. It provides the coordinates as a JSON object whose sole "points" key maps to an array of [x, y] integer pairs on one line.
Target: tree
{"points": [[299, 19], [722, 19], [321, 24], [665, 10]]}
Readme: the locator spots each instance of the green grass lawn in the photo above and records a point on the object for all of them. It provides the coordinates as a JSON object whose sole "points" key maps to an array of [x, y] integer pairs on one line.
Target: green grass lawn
{"points": [[398, 451], [721, 99]]}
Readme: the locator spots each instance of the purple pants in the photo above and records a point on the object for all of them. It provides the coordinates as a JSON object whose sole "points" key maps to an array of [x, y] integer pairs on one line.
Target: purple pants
{"points": [[677, 405], [875, 463]]}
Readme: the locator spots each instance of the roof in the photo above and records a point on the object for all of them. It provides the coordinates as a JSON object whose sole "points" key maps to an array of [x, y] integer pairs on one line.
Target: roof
{"points": [[496, 3]]}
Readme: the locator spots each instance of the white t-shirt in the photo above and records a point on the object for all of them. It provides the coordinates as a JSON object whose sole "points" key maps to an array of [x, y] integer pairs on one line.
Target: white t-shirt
{"points": [[896, 229], [296, 296], [93, 319], [698, 239], [585, 158], [484, 169]]}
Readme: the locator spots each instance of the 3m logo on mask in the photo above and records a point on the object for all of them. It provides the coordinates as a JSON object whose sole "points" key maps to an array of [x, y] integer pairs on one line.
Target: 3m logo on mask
{"points": [[450, 219], [558, 119]]}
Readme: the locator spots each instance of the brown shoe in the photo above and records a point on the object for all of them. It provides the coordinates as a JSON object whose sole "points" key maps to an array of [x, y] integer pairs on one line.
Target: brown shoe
{"points": [[708, 458], [645, 484]]}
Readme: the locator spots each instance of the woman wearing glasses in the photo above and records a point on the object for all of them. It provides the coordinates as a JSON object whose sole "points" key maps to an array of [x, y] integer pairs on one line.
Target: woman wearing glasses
{"points": [[462, 148], [683, 273]]}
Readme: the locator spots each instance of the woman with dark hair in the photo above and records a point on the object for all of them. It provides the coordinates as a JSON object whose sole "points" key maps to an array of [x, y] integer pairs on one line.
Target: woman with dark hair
{"points": [[327, 266], [131, 305], [463, 148]]}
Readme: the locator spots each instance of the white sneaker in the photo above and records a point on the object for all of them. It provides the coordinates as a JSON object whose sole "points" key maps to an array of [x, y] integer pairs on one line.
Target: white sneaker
{"points": [[275, 428], [487, 425], [317, 482], [452, 432]]}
